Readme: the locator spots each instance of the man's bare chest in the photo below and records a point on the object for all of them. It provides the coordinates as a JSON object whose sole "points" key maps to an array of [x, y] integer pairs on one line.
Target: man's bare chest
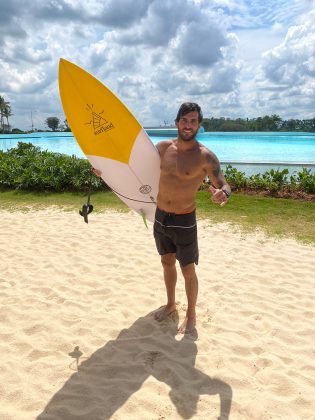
{"points": [[187, 164]]}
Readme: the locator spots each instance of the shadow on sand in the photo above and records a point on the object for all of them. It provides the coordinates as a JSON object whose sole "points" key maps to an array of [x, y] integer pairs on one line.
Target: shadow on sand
{"points": [[105, 381]]}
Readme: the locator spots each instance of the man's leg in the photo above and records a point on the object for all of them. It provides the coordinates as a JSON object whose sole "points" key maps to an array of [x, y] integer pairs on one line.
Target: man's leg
{"points": [[191, 286], [170, 276]]}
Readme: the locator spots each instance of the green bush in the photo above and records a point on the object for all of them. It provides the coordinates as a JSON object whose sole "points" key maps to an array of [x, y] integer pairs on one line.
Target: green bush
{"points": [[274, 180], [235, 178], [26, 167], [304, 181]]}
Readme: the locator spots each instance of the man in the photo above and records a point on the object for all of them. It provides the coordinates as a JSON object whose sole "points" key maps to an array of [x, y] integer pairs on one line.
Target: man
{"points": [[184, 165]]}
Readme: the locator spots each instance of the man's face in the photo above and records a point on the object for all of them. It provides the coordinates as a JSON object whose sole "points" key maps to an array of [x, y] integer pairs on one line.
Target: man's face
{"points": [[188, 126]]}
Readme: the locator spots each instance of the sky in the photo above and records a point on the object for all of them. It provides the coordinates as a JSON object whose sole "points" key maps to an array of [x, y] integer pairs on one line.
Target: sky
{"points": [[235, 58]]}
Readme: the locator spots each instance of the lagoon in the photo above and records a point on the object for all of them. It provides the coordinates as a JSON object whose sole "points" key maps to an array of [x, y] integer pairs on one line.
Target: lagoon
{"points": [[252, 152]]}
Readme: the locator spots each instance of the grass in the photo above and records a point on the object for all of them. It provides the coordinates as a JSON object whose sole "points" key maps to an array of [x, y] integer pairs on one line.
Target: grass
{"points": [[274, 216], [24, 201]]}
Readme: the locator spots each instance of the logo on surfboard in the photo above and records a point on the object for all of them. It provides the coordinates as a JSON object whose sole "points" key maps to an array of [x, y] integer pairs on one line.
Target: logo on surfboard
{"points": [[99, 123], [145, 189]]}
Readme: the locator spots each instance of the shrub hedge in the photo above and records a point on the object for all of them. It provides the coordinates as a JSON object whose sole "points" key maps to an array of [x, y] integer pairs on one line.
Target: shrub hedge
{"points": [[274, 180], [27, 167]]}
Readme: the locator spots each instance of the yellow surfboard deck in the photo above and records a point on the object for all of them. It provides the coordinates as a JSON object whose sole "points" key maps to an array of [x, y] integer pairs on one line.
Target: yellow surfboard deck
{"points": [[111, 138]]}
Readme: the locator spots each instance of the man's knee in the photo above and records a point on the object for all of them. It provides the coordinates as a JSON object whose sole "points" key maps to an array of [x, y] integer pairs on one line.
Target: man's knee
{"points": [[188, 270], [168, 260]]}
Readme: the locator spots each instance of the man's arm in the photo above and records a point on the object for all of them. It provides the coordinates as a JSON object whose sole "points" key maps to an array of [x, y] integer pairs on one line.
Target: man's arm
{"points": [[219, 188]]}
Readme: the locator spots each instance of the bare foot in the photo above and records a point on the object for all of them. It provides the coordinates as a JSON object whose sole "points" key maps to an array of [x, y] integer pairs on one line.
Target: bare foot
{"points": [[165, 312], [188, 326]]}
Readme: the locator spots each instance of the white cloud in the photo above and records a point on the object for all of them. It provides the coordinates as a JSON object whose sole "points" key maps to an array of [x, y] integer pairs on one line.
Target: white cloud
{"points": [[201, 44], [292, 62], [156, 54], [161, 23], [123, 13], [291, 67]]}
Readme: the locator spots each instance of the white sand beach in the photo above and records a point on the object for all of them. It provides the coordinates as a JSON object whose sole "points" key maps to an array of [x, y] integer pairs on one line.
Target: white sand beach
{"points": [[78, 339]]}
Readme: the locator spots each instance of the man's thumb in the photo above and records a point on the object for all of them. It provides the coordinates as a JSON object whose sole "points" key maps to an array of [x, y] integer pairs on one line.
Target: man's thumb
{"points": [[212, 189]]}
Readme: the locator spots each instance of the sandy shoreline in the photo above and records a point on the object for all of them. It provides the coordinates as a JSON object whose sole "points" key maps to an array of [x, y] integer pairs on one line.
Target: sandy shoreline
{"points": [[78, 340]]}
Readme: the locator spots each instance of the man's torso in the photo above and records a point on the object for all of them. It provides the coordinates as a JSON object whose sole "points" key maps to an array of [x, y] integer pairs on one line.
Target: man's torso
{"points": [[182, 172]]}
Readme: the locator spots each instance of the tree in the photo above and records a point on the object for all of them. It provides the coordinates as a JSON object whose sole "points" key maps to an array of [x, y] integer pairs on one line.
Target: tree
{"points": [[52, 123], [5, 113], [67, 128], [1, 113], [312, 124], [276, 122]]}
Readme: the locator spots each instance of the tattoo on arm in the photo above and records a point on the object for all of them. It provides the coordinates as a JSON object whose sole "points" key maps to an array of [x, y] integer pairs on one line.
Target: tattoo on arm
{"points": [[216, 171], [214, 166]]}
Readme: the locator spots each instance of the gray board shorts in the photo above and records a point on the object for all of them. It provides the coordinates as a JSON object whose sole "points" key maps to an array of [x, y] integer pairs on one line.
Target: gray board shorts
{"points": [[177, 233]]}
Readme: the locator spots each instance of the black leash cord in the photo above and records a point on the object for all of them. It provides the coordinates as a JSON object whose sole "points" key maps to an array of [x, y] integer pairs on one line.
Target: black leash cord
{"points": [[131, 199], [87, 208], [121, 195]]}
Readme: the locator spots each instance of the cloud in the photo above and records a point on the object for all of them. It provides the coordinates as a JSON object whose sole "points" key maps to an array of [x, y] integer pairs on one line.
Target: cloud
{"points": [[131, 88], [221, 79], [57, 10], [201, 44], [29, 80], [157, 54], [160, 24], [16, 53], [292, 62], [123, 13], [248, 14], [9, 10], [9, 22]]}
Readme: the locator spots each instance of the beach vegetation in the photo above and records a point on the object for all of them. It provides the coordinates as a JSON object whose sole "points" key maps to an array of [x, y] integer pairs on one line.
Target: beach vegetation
{"points": [[27, 167], [276, 182], [31, 178]]}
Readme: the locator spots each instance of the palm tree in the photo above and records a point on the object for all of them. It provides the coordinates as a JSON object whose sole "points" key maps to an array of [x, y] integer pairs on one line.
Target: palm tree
{"points": [[2, 102], [5, 113]]}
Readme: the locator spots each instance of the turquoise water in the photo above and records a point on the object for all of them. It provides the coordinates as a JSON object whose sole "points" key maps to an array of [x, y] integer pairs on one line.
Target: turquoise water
{"points": [[249, 152]]}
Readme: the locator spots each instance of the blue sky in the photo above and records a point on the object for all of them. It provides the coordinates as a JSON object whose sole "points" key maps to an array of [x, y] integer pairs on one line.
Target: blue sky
{"points": [[235, 58]]}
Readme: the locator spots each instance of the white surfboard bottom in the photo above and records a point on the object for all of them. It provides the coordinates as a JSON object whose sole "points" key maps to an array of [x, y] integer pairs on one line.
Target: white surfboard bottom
{"points": [[135, 183]]}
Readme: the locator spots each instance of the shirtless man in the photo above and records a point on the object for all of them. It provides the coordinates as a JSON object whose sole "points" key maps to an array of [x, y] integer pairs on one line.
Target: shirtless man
{"points": [[184, 165]]}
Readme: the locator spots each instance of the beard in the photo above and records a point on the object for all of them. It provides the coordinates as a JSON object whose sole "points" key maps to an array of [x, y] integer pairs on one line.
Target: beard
{"points": [[187, 136]]}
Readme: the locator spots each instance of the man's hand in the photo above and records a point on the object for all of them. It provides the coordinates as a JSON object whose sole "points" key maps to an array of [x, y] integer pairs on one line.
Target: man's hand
{"points": [[97, 172], [218, 196]]}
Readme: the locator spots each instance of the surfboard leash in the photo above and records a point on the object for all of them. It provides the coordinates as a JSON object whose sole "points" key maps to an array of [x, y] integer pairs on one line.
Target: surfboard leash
{"points": [[87, 208], [132, 199]]}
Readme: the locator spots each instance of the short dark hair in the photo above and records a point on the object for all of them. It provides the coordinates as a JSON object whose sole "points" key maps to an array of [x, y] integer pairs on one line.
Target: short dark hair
{"points": [[187, 107]]}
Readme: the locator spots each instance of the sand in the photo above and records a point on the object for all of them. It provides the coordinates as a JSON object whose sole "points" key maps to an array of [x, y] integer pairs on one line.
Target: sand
{"points": [[78, 339]]}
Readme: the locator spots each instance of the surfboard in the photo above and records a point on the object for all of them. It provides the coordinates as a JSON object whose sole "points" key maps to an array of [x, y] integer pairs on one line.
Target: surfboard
{"points": [[111, 138]]}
